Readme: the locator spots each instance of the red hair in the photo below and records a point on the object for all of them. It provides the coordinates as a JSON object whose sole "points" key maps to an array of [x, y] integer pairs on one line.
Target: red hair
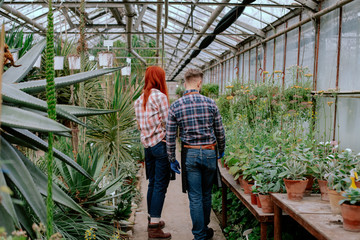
{"points": [[154, 78]]}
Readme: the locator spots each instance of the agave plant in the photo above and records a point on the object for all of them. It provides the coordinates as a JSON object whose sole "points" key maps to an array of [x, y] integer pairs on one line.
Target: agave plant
{"points": [[22, 115]]}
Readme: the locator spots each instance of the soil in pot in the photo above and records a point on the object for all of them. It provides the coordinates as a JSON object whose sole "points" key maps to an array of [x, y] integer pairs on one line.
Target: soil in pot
{"points": [[351, 217], [309, 186], [295, 189], [253, 199], [267, 204], [334, 198], [258, 201], [324, 190]]}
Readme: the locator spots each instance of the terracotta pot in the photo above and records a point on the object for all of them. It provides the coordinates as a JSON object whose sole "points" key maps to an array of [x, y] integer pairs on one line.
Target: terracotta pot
{"points": [[295, 189], [351, 216], [267, 204], [309, 186], [239, 180], [357, 184], [247, 187], [334, 198], [324, 190], [258, 201], [253, 199]]}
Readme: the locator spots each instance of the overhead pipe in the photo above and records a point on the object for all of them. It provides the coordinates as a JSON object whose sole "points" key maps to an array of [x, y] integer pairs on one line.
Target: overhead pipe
{"points": [[158, 29], [130, 13], [23, 17], [212, 18]]}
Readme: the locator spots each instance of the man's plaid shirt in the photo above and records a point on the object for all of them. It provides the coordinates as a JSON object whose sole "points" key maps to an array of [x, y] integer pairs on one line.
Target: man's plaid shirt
{"points": [[199, 122], [152, 121]]}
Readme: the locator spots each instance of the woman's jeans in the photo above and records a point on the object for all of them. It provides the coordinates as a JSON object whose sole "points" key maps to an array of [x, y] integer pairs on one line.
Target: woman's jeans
{"points": [[201, 173], [158, 172]]}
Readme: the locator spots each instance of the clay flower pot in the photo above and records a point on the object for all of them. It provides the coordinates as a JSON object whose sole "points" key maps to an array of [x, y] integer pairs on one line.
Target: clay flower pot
{"points": [[253, 199], [334, 198], [247, 187], [351, 216], [309, 185], [324, 190], [258, 201], [357, 184], [239, 180], [267, 204], [295, 189]]}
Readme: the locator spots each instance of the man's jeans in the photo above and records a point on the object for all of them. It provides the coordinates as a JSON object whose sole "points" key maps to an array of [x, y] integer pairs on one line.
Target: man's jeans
{"points": [[158, 172], [201, 172]]}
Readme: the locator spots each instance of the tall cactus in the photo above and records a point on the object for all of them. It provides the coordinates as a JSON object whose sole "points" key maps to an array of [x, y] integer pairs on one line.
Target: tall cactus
{"points": [[51, 103]]}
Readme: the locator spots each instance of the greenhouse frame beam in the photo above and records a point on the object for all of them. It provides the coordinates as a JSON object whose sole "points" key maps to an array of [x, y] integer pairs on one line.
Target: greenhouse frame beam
{"points": [[246, 26], [140, 17], [77, 13], [292, 27], [309, 4], [102, 4], [68, 19], [17, 21], [23, 17]]}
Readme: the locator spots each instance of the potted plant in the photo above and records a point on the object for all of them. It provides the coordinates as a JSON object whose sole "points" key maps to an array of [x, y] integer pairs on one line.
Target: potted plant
{"points": [[320, 170], [265, 183], [350, 209], [294, 178]]}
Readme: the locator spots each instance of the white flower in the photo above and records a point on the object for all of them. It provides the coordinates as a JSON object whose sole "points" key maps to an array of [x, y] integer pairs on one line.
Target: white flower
{"points": [[321, 143], [348, 150]]}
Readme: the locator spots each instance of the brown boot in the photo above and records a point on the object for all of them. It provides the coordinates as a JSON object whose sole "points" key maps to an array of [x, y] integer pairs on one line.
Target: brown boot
{"points": [[161, 223], [155, 232]]}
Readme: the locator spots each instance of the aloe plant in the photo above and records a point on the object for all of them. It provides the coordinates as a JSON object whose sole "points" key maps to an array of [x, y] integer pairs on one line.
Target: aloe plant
{"points": [[23, 114]]}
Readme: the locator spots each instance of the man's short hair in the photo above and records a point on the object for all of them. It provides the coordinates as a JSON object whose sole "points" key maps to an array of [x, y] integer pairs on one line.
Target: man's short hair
{"points": [[193, 73]]}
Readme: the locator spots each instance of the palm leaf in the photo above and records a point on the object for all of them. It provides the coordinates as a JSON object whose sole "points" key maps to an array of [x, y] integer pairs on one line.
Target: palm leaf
{"points": [[19, 118], [40, 178], [12, 95], [14, 75], [84, 112], [37, 86], [17, 172], [37, 142]]}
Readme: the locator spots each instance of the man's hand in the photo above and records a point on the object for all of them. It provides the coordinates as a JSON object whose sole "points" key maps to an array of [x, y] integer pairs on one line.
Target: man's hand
{"points": [[175, 166], [221, 155]]}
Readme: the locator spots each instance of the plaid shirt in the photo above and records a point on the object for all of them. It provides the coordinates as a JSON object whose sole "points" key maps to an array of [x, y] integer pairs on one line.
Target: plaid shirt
{"points": [[152, 121], [199, 121]]}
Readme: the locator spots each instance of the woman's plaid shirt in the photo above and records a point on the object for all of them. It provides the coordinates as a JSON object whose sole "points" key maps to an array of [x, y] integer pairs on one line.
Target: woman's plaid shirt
{"points": [[199, 122], [152, 120]]}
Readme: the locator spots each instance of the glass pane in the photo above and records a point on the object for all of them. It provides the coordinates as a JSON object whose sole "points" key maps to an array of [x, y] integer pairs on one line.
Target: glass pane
{"points": [[325, 118], [307, 45], [291, 56], [329, 29], [350, 48]]}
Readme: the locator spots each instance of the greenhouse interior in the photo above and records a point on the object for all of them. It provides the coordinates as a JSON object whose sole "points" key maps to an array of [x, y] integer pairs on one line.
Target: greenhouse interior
{"points": [[280, 74]]}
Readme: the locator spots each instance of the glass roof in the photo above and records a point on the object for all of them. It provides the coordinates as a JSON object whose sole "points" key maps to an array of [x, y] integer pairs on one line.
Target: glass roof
{"points": [[108, 18]]}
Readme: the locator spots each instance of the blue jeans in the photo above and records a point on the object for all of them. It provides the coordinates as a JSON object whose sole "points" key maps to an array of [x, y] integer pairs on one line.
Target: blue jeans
{"points": [[201, 173], [158, 172]]}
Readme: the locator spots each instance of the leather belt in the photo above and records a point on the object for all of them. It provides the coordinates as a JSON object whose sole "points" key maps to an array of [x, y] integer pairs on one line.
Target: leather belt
{"points": [[208, 146]]}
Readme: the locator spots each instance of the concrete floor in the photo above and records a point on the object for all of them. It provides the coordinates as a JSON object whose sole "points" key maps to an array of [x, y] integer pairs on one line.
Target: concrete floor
{"points": [[176, 214]]}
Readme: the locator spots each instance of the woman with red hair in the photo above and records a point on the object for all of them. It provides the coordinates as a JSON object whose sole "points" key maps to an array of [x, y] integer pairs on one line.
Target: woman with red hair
{"points": [[151, 110]]}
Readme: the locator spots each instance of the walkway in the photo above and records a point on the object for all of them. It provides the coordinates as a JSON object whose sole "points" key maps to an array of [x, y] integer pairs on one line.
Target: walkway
{"points": [[176, 214]]}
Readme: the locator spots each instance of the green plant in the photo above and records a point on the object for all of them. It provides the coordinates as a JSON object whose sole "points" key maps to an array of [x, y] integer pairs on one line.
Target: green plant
{"points": [[180, 91], [23, 114], [294, 170], [15, 40], [210, 90], [352, 196]]}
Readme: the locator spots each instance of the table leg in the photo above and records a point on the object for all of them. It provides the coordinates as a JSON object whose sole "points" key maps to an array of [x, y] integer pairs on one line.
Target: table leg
{"points": [[263, 230], [224, 205], [277, 222]]}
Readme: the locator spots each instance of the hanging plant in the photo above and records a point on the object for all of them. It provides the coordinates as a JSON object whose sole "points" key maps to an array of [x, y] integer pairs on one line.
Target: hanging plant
{"points": [[106, 59], [74, 62]]}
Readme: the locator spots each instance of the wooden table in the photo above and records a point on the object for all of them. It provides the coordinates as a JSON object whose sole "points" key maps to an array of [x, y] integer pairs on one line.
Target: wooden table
{"points": [[314, 215], [228, 181]]}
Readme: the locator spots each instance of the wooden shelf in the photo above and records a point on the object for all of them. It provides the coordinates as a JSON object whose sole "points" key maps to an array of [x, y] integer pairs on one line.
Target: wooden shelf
{"points": [[314, 215]]}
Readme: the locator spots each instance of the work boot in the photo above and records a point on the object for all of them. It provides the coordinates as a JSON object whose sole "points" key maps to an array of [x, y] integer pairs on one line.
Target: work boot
{"points": [[161, 223], [155, 232], [209, 233]]}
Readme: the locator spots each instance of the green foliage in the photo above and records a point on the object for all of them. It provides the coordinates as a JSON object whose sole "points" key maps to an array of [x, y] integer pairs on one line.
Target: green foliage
{"points": [[51, 103], [294, 170], [180, 91], [352, 196], [210, 90], [16, 39]]}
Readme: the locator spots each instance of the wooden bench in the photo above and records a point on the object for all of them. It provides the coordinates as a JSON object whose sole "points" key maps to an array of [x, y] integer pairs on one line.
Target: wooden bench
{"points": [[229, 182], [314, 215]]}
